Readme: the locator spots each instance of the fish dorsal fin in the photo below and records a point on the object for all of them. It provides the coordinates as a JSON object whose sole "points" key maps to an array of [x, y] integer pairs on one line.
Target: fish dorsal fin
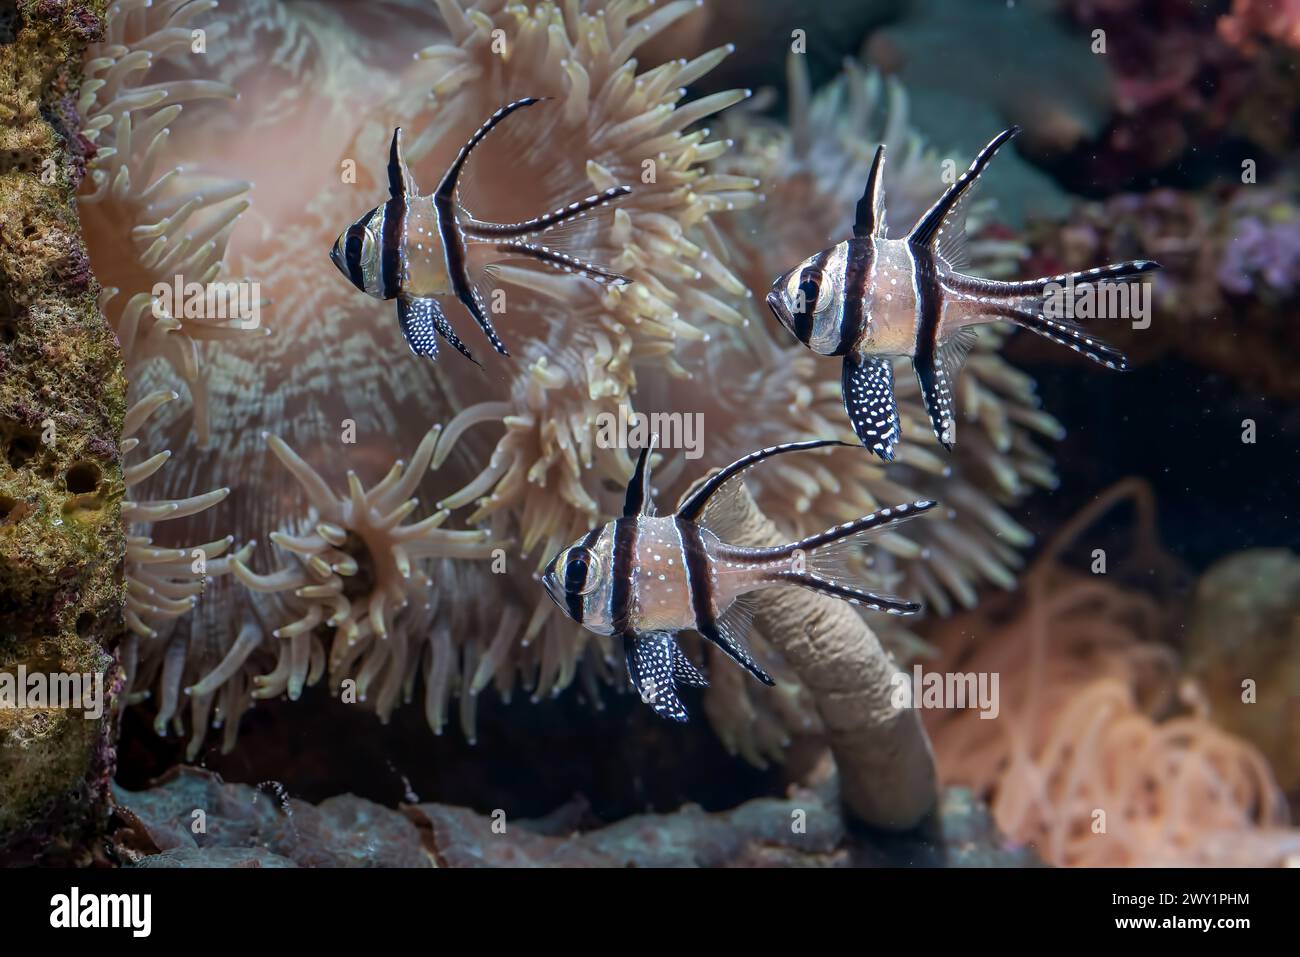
{"points": [[713, 504], [638, 500], [400, 182], [943, 227], [869, 219], [447, 188]]}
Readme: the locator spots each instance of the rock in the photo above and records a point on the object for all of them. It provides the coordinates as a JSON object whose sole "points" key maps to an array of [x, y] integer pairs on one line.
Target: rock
{"points": [[62, 398], [1245, 626], [192, 814]]}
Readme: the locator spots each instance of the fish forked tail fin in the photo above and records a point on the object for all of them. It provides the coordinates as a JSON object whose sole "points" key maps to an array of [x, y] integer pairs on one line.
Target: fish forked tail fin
{"points": [[1046, 286], [481, 229], [819, 562], [1066, 333], [656, 665]]}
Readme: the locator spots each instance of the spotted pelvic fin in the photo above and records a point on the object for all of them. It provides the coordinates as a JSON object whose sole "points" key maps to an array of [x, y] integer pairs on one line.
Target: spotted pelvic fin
{"points": [[868, 386], [422, 320], [652, 669]]}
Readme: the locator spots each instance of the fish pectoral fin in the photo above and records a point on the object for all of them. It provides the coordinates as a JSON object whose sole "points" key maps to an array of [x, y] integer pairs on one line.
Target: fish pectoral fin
{"points": [[868, 385], [730, 632], [650, 668], [422, 322]]}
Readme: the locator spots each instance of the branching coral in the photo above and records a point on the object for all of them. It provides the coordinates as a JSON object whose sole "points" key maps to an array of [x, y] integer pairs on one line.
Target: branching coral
{"points": [[1093, 758]]}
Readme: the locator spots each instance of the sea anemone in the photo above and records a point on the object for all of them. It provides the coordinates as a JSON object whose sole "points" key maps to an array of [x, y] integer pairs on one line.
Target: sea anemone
{"points": [[1100, 754], [163, 584], [520, 459], [159, 220]]}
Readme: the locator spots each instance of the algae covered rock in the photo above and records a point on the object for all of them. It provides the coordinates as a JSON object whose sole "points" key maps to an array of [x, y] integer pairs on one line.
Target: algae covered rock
{"points": [[62, 399], [1244, 648]]}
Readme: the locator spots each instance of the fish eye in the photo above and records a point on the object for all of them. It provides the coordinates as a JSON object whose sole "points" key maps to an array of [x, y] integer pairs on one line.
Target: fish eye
{"points": [[581, 571], [808, 293]]}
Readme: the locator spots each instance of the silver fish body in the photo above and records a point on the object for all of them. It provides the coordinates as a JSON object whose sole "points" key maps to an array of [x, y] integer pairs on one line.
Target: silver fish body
{"points": [[871, 299], [644, 578], [416, 248]]}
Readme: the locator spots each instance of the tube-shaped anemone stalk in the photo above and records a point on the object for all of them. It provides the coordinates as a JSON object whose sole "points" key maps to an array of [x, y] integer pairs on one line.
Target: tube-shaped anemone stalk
{"points": [[146, 219]]}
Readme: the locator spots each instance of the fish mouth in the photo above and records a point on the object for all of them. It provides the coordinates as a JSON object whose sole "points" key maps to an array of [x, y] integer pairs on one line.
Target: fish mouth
{"points": [[779, 309]]}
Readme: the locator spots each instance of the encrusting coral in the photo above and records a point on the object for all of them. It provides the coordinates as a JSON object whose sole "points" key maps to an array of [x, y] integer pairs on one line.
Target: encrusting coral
{"points": [[1100, 754], [520, 459]]}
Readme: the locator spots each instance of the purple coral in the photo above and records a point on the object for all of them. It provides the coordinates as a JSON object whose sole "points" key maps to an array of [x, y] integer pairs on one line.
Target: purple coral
{"points": [[1260, 251]]}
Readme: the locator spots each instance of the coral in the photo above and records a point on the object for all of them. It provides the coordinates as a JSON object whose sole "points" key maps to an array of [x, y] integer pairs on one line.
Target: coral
{"points": [[1177, 86], [1244, 628], [256, 827], [1098, 755], [1252, 20], [163, 583], [1230, 273], [357, 567], [62, 400]]}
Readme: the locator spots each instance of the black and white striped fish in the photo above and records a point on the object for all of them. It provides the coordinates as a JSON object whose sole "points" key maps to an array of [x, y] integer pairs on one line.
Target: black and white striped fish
{"points": [[414, 248], [644, 578], [870, 299]]}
